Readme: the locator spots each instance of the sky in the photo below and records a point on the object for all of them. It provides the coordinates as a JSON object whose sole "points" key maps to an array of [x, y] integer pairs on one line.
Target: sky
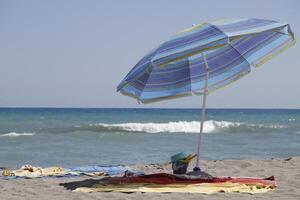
{"points": [[61, 53]]}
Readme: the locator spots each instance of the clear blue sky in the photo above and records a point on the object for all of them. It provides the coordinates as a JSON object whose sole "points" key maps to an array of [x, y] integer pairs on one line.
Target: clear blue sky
{"points": [[61, 53]]}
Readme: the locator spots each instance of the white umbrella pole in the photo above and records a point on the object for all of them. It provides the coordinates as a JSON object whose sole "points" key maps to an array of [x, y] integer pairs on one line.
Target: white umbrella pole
{"points": [[197, 168]]}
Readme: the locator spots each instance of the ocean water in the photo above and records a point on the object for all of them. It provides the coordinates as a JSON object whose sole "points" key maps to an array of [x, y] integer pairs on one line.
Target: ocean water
{"points": [[75, 137]]}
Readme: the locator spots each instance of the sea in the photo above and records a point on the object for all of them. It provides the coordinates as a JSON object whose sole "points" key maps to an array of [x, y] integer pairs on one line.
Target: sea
{"points": [[104, 136]]}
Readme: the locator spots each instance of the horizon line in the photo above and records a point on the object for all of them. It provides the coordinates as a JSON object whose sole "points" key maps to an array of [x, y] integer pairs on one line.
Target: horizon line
{"points": [[50, 107]]}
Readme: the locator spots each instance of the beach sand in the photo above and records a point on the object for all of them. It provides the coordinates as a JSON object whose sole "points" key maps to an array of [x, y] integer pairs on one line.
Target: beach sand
{"points": [[286, 172]]}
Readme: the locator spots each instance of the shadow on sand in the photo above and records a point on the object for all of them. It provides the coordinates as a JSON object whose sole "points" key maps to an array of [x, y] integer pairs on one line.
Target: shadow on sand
{"points": [[160, 178], [84, 183]]}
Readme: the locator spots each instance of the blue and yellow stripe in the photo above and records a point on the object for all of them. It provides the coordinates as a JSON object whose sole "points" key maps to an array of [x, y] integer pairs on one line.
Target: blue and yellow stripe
{"points": [[176, 68]]}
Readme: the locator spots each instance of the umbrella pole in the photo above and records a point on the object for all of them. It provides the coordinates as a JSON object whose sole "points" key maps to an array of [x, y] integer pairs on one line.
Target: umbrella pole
{"points": [[197, 168]]}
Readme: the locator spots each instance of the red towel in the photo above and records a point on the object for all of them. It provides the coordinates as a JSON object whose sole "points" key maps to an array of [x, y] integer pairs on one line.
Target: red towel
{"points": [[163, 178]]}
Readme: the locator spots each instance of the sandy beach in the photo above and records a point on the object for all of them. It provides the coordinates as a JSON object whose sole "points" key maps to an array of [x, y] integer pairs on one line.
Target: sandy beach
{"points": [[285, 170]]}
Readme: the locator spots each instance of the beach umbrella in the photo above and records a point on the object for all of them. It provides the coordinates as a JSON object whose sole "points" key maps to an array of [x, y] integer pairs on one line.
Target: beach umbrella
{"points": [[204, 58]]}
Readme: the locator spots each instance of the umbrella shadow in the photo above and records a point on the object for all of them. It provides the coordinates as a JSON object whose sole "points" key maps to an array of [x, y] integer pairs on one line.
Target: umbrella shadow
{"points": [[83, 183]]}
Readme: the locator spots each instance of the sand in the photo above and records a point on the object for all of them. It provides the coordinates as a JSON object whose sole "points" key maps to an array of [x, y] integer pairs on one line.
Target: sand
{"points": [[286, 172]]}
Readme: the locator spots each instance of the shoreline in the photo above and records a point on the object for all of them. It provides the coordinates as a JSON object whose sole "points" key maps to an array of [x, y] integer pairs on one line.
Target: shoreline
{"points": [[285, 170], [146, 108]]}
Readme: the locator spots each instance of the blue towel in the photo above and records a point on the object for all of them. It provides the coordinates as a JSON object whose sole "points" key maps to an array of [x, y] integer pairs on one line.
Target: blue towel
{"points": [[110, 170]]}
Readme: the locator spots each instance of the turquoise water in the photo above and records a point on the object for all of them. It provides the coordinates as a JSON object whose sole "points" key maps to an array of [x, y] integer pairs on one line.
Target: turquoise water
{"points": [[74, 137]]}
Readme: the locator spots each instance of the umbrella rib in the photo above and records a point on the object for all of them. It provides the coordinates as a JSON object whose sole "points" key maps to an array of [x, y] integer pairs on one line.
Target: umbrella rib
{"points": [[229, 43], [149, 74], [187, 42], [255, 46]]}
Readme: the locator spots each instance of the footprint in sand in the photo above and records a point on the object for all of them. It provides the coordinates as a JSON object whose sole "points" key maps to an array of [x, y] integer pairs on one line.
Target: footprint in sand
{"points": [[246, 165], [257, 170]]}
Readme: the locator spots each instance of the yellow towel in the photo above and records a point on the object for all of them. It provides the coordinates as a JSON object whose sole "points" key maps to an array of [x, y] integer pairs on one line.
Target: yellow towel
{"points": [[28, 171], [204, 188], [32, 172], [5, 172]]}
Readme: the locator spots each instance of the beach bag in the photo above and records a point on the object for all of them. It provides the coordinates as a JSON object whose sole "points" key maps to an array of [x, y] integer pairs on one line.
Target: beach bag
{"points": [[180, 162]]}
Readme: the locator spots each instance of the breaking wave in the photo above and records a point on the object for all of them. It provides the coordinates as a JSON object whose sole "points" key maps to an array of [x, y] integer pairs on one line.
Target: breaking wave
{"points": [[170, 127], [210, 126], [14, 134]]}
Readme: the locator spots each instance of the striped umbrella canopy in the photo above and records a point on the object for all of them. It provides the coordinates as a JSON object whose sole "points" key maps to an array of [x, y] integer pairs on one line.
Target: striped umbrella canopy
{"points": [[205, 57]]}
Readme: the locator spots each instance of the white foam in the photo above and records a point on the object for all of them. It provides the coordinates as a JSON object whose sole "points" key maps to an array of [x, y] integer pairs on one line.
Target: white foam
{"points": [[14, 134], [268, 126], [171, 127]]}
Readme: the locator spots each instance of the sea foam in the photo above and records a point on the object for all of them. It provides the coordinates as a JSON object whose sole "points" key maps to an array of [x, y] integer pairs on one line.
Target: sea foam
{"points": [[14, 134], [170, 127]]}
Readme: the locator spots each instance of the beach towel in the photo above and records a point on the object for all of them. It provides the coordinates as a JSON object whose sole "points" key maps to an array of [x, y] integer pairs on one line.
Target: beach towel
{"points": [[28, 171], [173, 183], [108, 170]]}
